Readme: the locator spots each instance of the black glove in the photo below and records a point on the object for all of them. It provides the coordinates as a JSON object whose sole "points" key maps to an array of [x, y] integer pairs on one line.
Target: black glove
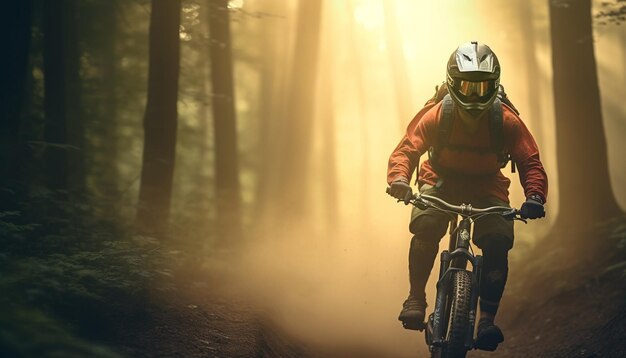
{"points": [[533, 208], [401, 190]]}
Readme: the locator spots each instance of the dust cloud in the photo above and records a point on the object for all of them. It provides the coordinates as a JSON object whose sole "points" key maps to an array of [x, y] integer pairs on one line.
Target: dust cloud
{"points": [[340, 296]]}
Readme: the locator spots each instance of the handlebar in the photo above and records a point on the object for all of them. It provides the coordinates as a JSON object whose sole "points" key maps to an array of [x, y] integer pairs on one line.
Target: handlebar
{"points": [[463, 209], [424, 201]]}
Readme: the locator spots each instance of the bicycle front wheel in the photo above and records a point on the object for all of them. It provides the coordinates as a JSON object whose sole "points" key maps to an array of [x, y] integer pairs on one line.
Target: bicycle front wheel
{"points": [[458, 326]]}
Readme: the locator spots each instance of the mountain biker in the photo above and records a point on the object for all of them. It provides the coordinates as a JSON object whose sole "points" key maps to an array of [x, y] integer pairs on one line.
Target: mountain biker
{"points": [[467, 170]]}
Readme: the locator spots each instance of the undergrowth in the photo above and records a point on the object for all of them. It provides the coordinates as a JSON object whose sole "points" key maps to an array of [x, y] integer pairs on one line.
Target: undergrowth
{"points": [[69, 278]]}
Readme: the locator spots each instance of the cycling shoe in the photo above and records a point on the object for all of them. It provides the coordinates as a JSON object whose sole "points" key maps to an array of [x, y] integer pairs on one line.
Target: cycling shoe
{"points": [[489, 336]]}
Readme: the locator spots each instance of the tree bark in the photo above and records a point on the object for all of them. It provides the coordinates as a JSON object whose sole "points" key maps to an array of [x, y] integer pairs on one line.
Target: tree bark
{"points": [[398, 66], [228, 191], [161, 117], [109, 174], [585, 194], [55, 99], [293, 172], [528, 48], [15, 24], [359, 71], [329, 167], [272, 92], [73, 86]]}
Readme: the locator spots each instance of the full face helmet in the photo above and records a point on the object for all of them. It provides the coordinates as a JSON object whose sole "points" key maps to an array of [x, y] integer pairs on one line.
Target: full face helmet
{"points": [[473, 76]]}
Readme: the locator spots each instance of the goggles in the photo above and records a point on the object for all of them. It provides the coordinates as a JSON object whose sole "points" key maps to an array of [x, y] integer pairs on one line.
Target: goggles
{"points": [[482, 88]]}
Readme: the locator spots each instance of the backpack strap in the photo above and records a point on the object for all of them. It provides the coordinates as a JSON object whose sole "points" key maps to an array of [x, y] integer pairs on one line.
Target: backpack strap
{"points": [[505, 99], [445, 122], [496, 123], [446, 117]]}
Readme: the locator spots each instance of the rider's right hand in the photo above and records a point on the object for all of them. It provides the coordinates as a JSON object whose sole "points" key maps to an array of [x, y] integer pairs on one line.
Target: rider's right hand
{"points": [[400, 189]]}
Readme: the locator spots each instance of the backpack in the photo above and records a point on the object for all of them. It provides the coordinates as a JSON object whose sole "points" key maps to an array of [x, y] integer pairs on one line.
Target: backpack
{"points": [[447, 119]]}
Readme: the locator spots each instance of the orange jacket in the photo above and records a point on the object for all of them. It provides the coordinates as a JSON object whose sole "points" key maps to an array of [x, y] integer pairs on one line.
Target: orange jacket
{"points": [[422, 133]]}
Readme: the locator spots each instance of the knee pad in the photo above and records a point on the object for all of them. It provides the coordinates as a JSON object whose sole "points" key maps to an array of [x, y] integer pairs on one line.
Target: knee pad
{"points": [[429, 227], [424, 244], [497, 244]]}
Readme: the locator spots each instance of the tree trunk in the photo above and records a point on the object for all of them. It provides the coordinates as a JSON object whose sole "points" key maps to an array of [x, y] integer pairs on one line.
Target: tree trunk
{"points": [[161, 117], [359, 71], [228, 195], [585, 194], [109, 174], [529, 49], [329, 167], [527, 45], [274, 60], [293, 172], [15, 23], [55, 99], [73, 87], [398, 66]]}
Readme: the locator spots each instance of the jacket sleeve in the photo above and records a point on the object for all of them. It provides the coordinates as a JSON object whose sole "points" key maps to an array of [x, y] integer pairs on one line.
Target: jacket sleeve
{"points": [[525, 154], [415, 142]]}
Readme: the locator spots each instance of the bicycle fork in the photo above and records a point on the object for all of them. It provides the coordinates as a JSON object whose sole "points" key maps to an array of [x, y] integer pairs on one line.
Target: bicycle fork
{"points": [[439, 323]]}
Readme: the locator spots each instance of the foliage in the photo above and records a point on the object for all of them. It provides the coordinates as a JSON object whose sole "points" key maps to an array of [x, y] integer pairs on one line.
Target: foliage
{"points": [[71, 278], [617, 238], [613, 12]]}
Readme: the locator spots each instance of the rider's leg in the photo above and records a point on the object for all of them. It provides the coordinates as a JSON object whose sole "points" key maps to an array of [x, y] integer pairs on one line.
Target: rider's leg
{"points": [[494, 235], [493, 279], [427, 226], [494, 274], [428, 230]]}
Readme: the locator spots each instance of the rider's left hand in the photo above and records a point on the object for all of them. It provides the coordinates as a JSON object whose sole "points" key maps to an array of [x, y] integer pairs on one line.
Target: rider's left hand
{"points": [[533, 208]]}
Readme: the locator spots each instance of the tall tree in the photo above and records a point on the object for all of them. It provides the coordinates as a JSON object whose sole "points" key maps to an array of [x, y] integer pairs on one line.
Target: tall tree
{"points": [[73, 86], [161, 118], [359, 79], [585, 194], [64, 133], [399, 70], [15, 23], [224, 122], [293, 169], [325, 92], [109, 173], [272, 38], [528, 48]]}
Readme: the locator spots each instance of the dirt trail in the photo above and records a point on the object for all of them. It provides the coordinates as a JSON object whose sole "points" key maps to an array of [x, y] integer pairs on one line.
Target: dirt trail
{"points": [[587, 322], [548, 311]]}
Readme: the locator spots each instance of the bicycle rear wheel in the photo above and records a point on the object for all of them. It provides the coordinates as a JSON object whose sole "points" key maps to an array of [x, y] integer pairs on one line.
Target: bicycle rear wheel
{"points": [[458, 325]]}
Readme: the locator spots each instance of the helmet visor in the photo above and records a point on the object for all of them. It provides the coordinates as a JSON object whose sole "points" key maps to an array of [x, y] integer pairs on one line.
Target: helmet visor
{"points": [[480, 88]]}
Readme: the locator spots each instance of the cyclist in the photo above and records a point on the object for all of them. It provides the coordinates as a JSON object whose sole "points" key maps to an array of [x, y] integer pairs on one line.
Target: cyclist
{"points": [[464, 166]]}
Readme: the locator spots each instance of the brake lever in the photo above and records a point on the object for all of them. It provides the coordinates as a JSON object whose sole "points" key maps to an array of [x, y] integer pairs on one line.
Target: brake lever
{"points": [[420, 203], [513, 215]]}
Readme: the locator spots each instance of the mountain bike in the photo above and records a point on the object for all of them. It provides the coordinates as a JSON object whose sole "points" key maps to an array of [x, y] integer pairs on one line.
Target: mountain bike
{"points": [[449, 330]]}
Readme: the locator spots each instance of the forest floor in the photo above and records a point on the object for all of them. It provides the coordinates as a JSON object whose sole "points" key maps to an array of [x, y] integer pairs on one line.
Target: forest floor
{"points": [[90, 291], [555, 307]]}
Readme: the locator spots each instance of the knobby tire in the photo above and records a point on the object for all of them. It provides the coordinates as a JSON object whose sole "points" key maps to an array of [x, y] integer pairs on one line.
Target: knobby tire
{"points": [[458, 325]]}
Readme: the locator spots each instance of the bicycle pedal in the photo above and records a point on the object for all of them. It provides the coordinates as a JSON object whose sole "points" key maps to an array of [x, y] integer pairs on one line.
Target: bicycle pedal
{"points": [[415, 326]]}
